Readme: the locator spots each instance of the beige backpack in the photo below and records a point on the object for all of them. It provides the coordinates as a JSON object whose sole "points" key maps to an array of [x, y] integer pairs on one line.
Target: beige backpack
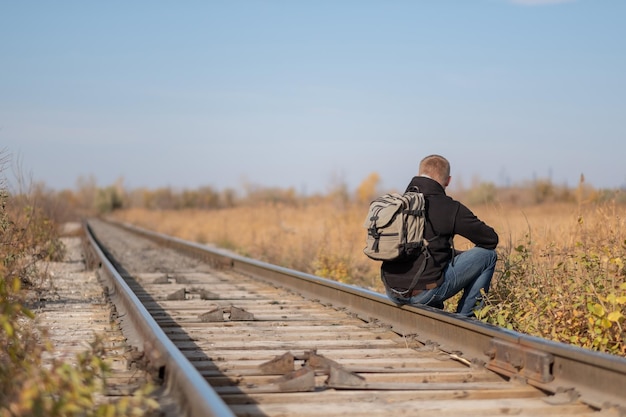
{"points": [[395, 226]]}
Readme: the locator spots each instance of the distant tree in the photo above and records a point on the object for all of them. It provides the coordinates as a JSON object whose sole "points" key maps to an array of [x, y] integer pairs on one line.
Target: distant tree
{"points": [[271, 195], [109, 199], [163, 198], [338, 190], [368, 188], [543, 190], [228, 197], [482, 193], [208, 198], [86, 190]]}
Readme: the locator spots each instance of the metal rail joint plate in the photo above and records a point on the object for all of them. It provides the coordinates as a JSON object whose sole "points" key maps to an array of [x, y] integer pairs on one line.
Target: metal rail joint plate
{"points": [[513, 359]]}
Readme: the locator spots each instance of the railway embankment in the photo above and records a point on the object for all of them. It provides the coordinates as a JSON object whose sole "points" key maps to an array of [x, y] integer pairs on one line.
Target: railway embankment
{"points": [[76, 316]]}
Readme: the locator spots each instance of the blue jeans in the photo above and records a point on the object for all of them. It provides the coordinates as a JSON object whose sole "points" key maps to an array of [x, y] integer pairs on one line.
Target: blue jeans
{"points": [[470, 272]]}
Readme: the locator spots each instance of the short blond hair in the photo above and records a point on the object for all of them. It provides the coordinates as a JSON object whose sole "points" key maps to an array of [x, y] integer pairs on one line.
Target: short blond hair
{"points": [[436, 167]]}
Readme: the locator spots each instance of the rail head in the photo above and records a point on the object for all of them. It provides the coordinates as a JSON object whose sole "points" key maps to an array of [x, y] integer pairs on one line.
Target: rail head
{"points": [[598, 379], [199, 398]]}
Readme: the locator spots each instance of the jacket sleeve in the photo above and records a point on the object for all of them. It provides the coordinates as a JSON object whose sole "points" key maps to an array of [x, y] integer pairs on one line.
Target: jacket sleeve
{"points": [[475, 230]]}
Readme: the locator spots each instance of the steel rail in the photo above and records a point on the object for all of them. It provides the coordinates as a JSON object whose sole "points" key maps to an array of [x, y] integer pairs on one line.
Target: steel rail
{"points": [[597, 379], [181, 378]]}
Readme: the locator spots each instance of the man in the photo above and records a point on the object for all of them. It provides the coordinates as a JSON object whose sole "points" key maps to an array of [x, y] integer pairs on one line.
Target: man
{"points": [[447, 272]]}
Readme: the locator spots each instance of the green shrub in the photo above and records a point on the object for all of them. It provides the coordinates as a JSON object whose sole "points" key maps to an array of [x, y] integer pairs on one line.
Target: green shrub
{"points": [[576, 296], [27, 387]]}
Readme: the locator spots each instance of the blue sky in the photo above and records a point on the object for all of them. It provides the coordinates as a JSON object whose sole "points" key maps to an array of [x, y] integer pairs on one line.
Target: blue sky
{"points": [[307, 94]]}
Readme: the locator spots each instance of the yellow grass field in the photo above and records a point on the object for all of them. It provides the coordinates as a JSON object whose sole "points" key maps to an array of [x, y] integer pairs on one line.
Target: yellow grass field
{"points": [[306, 237], [560, 272]]}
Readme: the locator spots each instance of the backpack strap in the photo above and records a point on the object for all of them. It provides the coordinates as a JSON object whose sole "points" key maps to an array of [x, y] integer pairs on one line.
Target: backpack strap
{"points": [[413, 188], [415, 280]]}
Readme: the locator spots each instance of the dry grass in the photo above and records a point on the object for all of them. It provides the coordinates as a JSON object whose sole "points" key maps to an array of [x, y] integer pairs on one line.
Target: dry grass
{"points": [[304, 237], [315, 238], [572, 254]]}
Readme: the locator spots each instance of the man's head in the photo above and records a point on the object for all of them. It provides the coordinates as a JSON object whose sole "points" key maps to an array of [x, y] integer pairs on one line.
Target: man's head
{"points": [[436, 167]]}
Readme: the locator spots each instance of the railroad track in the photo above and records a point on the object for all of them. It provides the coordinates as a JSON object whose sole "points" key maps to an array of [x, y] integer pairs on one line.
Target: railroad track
{"points": [[274, 342]]}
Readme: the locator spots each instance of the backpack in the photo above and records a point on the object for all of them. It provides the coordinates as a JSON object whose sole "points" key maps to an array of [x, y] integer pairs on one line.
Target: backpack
{"points": [[395, 226]]}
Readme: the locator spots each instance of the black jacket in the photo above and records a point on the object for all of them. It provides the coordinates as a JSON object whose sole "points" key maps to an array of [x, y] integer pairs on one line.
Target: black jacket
{"points": [[445, 218]]}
